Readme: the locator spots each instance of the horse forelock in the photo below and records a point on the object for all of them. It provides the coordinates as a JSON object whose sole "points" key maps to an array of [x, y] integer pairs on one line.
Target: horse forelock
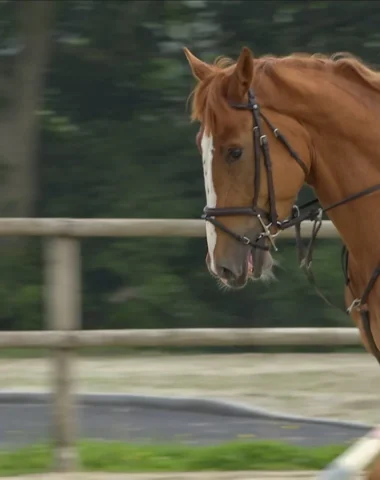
{"points": [[210, 106]]}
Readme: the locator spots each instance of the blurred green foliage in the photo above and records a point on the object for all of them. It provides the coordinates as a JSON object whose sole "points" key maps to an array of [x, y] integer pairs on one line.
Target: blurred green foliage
{"points": [[117, 142]]}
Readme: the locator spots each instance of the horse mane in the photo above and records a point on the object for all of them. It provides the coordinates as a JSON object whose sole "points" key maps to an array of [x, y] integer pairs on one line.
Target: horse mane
{"points": [[209, 100]]}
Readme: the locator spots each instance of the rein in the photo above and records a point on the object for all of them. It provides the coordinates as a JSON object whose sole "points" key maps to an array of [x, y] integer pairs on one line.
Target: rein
{"points": [[305, 256], [299, 215]]}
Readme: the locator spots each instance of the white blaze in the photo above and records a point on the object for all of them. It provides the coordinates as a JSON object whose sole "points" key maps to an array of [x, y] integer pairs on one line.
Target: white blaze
{"points": [[207, 147]]}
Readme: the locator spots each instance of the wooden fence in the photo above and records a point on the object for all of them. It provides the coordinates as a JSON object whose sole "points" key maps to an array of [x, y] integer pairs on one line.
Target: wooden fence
{"points": [[63, 311], [351, 463]]}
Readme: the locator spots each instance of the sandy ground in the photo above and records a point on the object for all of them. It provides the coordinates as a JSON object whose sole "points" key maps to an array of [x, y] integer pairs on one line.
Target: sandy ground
{"points": [[342, 386]]}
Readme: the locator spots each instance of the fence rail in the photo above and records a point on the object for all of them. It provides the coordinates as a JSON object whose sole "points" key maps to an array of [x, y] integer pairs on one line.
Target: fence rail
{"points": [[191, 337], [131, 227], [63, 306]]}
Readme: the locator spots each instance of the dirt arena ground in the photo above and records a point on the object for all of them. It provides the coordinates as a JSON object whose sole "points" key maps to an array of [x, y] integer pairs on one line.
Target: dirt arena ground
{"points": [[341, 386]]}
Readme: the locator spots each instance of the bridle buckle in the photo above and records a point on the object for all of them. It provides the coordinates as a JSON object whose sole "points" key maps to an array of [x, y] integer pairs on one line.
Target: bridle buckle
{"points": [[245, 240], [354, 305], [267, 233]]}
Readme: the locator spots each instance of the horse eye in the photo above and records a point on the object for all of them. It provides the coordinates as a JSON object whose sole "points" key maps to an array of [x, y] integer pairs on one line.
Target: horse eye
{"points": [[235, 153]]}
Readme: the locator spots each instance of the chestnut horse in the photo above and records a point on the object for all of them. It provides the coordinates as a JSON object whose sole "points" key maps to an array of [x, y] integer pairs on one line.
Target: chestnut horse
{"points": [[268, 125]]}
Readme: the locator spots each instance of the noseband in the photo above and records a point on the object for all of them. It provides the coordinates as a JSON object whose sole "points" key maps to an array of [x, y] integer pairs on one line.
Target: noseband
{"points": [[267, 220]]}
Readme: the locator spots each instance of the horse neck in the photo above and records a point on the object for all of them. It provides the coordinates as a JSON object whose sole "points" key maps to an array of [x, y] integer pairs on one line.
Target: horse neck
{"points": [[357, 221], [342, 117], [344, 136]]}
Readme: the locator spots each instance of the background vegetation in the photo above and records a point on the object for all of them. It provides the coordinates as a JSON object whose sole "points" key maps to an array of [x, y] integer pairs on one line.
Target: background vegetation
{"points": [[93, 123]]}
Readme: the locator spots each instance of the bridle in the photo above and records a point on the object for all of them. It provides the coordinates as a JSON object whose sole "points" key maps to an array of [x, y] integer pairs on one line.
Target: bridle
{"points": [[269, 220], [261, 146], [299, 213]]}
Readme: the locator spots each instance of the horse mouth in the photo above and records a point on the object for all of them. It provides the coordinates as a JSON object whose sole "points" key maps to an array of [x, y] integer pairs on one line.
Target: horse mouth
{"points": [[256, 264], [256, 260], [253, 270]]}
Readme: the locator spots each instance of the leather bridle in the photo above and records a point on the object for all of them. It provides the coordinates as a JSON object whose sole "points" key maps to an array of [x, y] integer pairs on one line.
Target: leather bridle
{"points": [[269, 220]]}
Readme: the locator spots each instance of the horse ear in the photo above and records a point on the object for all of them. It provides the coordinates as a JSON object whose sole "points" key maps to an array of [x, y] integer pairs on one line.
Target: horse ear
{"points": [[242, 76], [199, 69]]}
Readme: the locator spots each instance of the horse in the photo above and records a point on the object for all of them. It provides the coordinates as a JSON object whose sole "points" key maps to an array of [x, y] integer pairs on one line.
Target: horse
{"points": [[268, 125]]}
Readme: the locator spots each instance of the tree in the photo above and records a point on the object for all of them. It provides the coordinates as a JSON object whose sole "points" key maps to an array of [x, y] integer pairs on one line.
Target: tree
{"points": [[23, 63]]}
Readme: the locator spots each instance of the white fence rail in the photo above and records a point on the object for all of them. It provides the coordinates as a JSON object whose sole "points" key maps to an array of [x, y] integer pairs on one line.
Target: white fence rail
{"points": [[131, 227], [63, 310], [184, 337]]}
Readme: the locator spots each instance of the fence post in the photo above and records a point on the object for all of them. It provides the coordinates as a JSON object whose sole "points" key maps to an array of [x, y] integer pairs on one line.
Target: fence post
{"points": [[355, 459], [63, 312]]}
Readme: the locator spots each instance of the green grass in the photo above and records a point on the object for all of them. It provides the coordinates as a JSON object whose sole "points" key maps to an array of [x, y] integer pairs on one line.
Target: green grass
{"points": [[122, 457]]}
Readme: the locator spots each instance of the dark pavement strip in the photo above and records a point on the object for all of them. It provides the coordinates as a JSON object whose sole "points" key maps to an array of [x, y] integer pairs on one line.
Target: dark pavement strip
{"points": [[27, 423]]}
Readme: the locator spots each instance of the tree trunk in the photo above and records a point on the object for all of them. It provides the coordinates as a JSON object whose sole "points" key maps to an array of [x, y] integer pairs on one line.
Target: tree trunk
{"points": [[22, 94]]}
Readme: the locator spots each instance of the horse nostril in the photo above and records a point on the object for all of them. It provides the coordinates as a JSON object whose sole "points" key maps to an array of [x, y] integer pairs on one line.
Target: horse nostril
{"points": [[226, 273]]}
